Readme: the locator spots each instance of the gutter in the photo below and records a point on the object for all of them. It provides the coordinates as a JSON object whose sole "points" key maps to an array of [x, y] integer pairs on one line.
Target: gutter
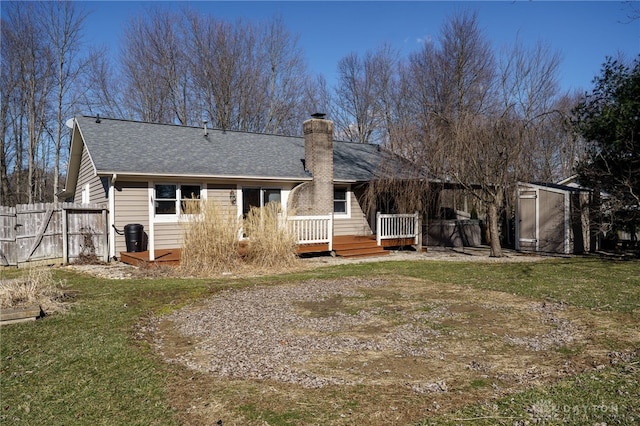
{"points": [[193, 176], [112, 216]]}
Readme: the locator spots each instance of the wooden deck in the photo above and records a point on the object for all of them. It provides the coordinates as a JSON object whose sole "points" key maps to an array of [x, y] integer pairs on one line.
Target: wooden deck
{"points": [[344, 246], [163, 257]]}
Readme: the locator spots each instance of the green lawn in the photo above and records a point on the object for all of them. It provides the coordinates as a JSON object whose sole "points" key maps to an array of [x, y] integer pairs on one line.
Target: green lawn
{"points": [[87, 366]]}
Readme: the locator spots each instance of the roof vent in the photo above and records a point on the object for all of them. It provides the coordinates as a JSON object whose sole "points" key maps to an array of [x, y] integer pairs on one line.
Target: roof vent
{"points": [[319, 115], [206, 132], [97, 118]]}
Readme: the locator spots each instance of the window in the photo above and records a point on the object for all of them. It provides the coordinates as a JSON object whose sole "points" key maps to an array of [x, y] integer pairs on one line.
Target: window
{"points": [[258, 197], [167, 196], [190, 199], [340, 200]]}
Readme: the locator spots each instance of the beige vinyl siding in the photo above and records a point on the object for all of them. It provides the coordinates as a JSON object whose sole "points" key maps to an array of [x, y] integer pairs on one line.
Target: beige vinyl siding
{"points": [[167, 235], [220, 194], [356, 224], [131, 206], [86, 175]]}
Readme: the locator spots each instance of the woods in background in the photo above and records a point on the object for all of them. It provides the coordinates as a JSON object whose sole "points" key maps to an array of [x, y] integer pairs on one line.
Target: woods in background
{"points": [[460, 109]]}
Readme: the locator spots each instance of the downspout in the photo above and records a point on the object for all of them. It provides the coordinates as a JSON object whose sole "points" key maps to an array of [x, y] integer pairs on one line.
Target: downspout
{"points": [[567, 223], [151, 242], [537, 219], [112, 218], [517, 218]]}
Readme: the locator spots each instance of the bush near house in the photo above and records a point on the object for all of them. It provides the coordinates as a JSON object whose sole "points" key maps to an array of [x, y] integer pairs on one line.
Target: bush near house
{"points": [[211, 243]]}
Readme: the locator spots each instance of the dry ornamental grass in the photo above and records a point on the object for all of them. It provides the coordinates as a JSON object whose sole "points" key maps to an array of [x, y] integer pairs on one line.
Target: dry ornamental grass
{"points": [[37, 288], [211, 243]]}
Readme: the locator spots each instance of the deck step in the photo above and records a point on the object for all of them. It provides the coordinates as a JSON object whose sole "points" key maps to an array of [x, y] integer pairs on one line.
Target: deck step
{"points": [[354, 246]]}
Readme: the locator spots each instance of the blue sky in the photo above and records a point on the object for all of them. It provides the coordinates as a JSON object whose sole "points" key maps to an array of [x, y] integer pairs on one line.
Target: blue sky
{"points": [[583, 32]]}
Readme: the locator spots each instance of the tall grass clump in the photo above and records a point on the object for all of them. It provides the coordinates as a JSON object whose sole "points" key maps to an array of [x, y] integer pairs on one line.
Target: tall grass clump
{"points": [[271, 245], [36, 288], [210, 239]]}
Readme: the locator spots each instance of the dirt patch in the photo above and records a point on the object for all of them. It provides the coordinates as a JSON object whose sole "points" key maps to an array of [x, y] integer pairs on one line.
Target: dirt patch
{"points": [[121, 271], [383, 351]]}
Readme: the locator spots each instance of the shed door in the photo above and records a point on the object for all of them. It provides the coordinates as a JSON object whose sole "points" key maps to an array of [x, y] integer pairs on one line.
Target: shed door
{"points": [[528, 224], [552, 231]]}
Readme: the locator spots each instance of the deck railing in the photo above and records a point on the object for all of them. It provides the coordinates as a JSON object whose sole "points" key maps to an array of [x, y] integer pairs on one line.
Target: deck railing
{"points": [[312, 229], [396, 226]]}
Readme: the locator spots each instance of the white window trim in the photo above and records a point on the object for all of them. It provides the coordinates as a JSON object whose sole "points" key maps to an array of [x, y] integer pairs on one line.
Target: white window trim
{"points": [[262, 189], [177, 216], [86, 194]]}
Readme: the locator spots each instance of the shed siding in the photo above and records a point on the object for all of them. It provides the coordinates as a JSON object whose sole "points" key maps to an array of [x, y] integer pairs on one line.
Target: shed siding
{"points": [[86, 175], [131, 206]]}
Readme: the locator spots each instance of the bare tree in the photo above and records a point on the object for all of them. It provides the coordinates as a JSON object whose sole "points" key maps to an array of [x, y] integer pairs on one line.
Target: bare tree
{"points": [[463, 117], [147, 66], [318, 96], [248, 75], [102, 94], [454, 99], [8, 89], [32, 59], [62, 24], [286, 75], [363, 94]]}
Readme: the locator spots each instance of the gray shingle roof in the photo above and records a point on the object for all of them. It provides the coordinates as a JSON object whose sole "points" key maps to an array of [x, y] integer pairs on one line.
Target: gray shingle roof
{"points": [[130, 147]]}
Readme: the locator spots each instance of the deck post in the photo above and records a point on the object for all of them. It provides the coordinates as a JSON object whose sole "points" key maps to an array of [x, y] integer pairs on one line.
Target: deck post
{"points": [[330, 231], [418, 230]]}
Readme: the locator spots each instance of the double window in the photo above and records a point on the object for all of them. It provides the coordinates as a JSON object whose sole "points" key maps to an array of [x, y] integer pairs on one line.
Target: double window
{"points": [[174, 199], [259, 197]]}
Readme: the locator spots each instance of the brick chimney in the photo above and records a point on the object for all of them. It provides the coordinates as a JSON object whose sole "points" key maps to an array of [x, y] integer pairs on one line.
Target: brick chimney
{"points": [[318, 152], [316, 198]]}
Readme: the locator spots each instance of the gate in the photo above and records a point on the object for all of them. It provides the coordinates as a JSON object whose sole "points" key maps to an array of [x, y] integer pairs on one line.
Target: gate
{"points": [[52, 233], [8, 236]]}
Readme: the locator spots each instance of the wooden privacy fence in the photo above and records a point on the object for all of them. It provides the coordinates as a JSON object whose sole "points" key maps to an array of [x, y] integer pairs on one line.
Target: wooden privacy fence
{"points": [[47, 233]]}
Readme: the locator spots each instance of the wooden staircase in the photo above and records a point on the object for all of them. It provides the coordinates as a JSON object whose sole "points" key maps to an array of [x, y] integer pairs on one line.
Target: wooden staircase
{"points": [[357, 246]]}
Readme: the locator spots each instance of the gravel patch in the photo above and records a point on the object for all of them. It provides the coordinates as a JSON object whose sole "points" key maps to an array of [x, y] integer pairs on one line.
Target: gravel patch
{"points": [[112, 271], [267, 334], [123, 271], [259, 335]]}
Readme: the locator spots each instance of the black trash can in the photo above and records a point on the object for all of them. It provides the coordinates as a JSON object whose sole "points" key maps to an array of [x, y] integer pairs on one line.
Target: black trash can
{"points": [[133, 234]]}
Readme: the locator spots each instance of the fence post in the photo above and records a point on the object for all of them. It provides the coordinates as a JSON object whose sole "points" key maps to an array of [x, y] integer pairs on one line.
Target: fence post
{"points": [[378, 228], [65, 236]]}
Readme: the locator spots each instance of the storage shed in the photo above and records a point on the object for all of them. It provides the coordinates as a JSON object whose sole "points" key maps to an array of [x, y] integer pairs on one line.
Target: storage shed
{"points": [[552, 218]]}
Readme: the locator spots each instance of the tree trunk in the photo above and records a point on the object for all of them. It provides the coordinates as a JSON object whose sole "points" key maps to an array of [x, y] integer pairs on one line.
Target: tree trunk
{"points": [[496, 249]]}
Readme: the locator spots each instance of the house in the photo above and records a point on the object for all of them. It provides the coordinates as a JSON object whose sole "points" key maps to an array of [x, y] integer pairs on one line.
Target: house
{"points": [[553, 218], [143, 172]]}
